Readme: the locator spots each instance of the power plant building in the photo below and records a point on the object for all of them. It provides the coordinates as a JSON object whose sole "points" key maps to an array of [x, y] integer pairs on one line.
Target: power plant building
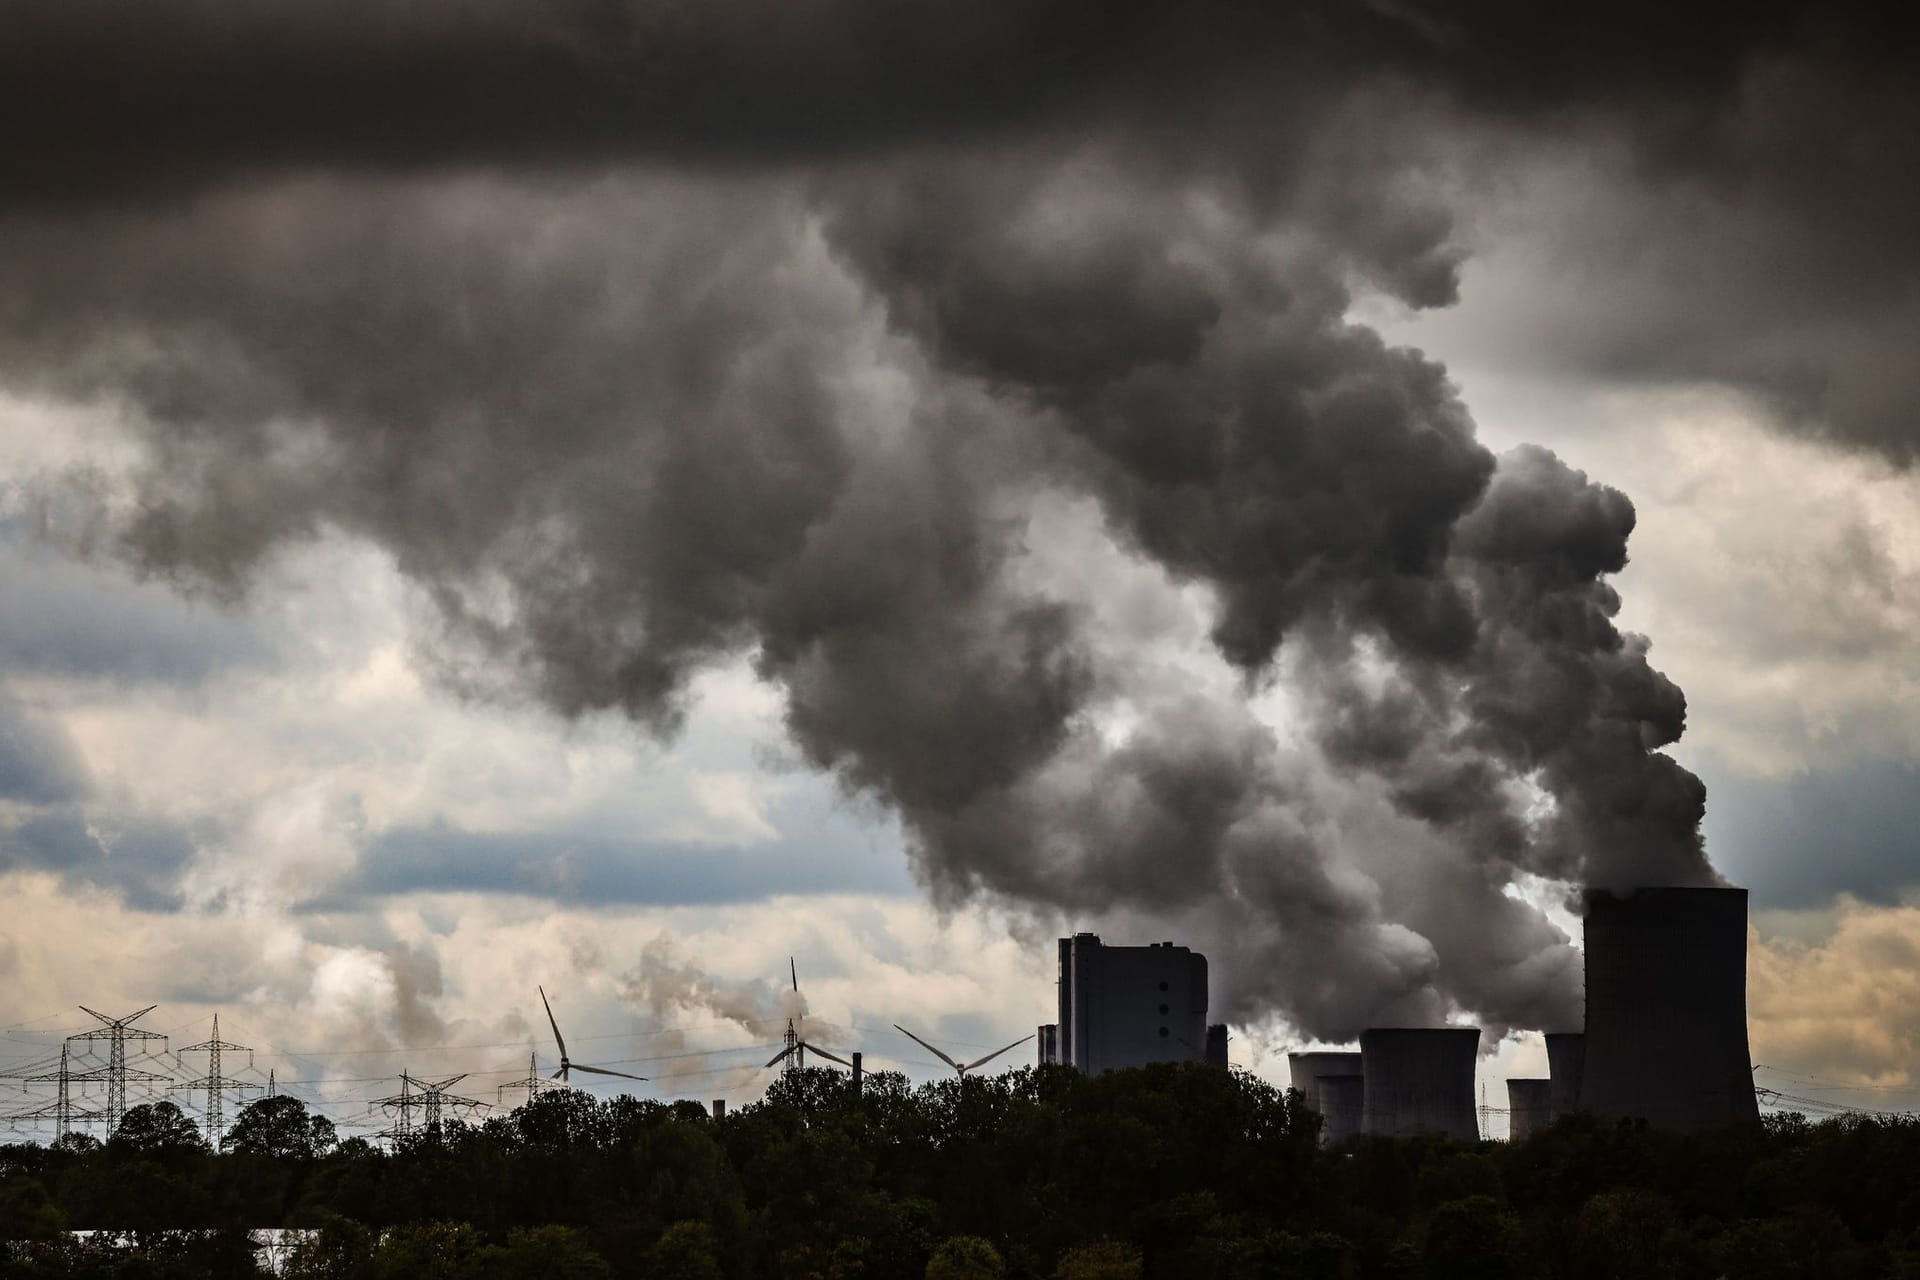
{"points": [[1419, 1080], [1128, 1006], [1666, 1036]]}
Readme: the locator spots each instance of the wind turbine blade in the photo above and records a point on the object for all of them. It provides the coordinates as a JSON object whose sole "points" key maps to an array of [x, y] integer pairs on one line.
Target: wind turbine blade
{"points": [[550, 1022], [818, 1052], [929, 1048], [604, 1071], [776, 1057], [794, 974], [981, 1062], [561, 1074]]}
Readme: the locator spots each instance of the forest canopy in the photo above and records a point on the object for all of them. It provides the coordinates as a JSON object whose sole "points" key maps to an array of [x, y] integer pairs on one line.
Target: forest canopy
{"points": [[1042, 1172]]}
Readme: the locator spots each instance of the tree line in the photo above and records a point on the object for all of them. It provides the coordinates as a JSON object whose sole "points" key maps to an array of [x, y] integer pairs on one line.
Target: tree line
{"points": [[1177, 1171]]}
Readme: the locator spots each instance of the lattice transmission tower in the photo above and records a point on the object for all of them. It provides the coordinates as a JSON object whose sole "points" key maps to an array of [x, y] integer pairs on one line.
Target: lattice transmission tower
{"points": [[116, 1032], [430, 1097], [216, 1084], [534, 1083], [61, 1110]]}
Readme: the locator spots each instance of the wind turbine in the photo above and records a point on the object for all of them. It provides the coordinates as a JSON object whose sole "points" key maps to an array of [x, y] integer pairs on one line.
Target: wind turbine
{"points": [[797, 1049], [568, 1066], [961, 1067]]}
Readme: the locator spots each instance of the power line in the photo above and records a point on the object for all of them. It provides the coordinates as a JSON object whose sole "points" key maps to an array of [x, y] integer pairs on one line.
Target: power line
{"points": [[533, 1082], [61, 1110], [432, 1099], [1838, 1084]]}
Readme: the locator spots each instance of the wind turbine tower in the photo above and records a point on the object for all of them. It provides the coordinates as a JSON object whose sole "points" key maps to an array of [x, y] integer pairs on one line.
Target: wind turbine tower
{"points": [[567, 1065]]}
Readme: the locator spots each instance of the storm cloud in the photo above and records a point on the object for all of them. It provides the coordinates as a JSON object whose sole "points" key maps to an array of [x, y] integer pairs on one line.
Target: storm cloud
{"points": [[648, 338]]}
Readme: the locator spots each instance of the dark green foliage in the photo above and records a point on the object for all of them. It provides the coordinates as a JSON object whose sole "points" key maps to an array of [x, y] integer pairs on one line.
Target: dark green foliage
{"points": [[279, 1127], [966, 1258], [1039, 1174], [1108, 1260], [157, 1129]]}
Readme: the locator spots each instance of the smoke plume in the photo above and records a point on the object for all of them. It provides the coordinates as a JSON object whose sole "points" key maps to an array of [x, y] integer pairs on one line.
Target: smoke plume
{"points": [[647, 338]]}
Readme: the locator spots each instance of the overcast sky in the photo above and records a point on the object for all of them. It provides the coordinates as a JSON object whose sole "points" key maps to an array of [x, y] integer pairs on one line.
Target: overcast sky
{"points": [[611, 495]]}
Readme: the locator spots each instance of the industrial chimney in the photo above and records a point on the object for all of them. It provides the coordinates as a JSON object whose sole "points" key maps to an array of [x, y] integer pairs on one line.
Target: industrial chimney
{"points": [[1529, 1107], [1310, 1072], [1566, 1053], [1419, 1080], [1667, 1008]]}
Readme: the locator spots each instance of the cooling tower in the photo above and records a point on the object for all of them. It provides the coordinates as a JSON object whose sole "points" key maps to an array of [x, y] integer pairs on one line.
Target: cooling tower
{"points": [[1419, 1080], [1566, 1052], [1529, 1107], [1667, 1008], [1343, 1101], [1310, 1074]]}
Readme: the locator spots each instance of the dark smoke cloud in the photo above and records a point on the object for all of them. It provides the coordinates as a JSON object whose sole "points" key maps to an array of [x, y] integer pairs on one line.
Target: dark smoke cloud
{"points": [[674, 429], [647, 338], [1724, 193]]}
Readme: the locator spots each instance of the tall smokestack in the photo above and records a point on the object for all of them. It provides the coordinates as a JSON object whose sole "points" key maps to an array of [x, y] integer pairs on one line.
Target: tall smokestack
{"points": [[1310, 1073], [1529, 1107], [1667, 1008], [1419, 1080], [1566, 1053]]}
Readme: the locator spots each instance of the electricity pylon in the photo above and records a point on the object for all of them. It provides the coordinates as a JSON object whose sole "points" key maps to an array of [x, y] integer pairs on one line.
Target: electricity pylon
{"points": [[432, 1099], [116, 1032], [61, 1110], [534, 1083], [213, 1082]]}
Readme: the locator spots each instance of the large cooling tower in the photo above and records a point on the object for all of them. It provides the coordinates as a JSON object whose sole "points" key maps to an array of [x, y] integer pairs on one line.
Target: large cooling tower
{"points": [[1566, 1053], [1310, 1072], [1667, 1008], [1419, 1080], [1529, 1107]]}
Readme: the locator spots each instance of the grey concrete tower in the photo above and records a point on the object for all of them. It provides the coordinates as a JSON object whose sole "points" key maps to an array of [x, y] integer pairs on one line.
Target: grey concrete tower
{"points": [[1667, 1008], [1343, 1101], [1529, 1107], [1310, 1071], [1420, 1080], [1566, 1054]]}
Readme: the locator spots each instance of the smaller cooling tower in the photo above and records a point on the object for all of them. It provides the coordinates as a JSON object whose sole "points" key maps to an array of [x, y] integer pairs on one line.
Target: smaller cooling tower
{"points": [[1420, 1080], [1667, 1008], [1343, 1101], [1310, 1073], [1566, 1053], [1529, 1107]]}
